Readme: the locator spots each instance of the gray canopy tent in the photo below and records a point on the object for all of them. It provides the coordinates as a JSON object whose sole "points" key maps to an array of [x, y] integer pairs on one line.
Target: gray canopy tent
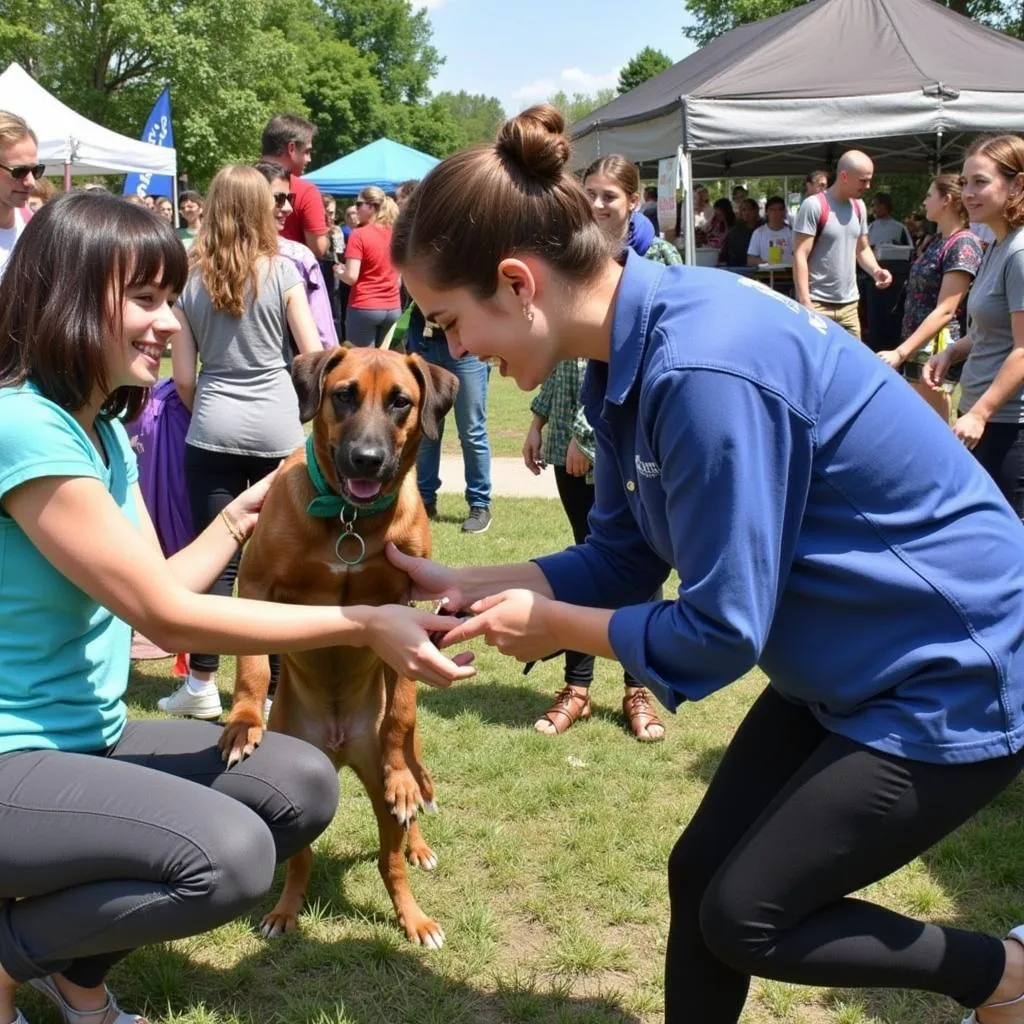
{"points": [[909, 81]]}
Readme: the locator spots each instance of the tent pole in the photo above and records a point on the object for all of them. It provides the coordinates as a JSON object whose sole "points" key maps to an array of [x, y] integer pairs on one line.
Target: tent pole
{"points": [[938, 151], [67, 175], [174, 194], [689, 228]]}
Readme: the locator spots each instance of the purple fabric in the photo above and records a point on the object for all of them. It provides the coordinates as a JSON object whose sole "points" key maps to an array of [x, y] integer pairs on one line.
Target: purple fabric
{"points": [[316, 291], [158, 437]]}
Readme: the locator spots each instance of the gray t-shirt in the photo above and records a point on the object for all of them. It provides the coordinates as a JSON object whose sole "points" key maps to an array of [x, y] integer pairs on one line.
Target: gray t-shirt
{"points": [[832, 265], [245, 403], [887, 231], [998, 291]]}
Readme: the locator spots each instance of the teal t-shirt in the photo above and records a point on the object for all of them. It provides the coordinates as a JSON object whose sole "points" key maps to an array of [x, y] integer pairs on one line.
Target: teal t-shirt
{"points": [[64, 659]]}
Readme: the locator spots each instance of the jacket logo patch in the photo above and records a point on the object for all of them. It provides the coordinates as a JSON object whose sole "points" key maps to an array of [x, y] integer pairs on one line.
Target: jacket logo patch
{"points": [[647, 469]]}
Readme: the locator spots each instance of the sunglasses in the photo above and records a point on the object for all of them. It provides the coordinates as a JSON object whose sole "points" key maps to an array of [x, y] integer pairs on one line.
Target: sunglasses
{"points": [[22, 171], [364, 202], [280, 198]]}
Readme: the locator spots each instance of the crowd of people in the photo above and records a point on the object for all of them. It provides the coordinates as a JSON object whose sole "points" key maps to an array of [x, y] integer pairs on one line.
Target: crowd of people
{"points": [[805, 494]]}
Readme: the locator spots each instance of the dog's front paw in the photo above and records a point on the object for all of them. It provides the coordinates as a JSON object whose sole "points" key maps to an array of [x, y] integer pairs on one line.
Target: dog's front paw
{"points": [[241, 736], [402, 793]]}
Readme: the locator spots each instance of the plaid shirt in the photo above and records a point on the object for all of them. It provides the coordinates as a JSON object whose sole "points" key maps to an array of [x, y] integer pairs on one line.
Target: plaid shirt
{"points": [[558, 403]]}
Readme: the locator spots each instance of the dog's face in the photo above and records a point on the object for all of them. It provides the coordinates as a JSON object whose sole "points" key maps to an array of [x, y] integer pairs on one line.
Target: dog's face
{"points": [[371, 408]]}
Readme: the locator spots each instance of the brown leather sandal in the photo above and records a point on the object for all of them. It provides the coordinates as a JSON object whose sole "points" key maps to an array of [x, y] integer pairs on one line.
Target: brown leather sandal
{"points": [[569, 706], [636, 706]]}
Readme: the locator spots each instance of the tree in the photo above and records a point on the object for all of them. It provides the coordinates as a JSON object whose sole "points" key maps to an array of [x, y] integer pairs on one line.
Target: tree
{"points": [[231, 66], [574, 108], [477, 118], [713, 17], [646, 64], [396, 40]]}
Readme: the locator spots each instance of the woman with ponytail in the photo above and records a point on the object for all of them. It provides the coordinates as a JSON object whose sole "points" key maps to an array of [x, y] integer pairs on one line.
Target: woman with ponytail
{"points": [[761, 452]]}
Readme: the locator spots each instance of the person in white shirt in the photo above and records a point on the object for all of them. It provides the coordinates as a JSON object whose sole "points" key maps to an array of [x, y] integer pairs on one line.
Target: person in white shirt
{"points": [[19, 171], [775, 234], [885, 229]]}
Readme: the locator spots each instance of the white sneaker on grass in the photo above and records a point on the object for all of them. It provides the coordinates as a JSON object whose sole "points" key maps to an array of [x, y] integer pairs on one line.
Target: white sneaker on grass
{"points": [[192, 702]]}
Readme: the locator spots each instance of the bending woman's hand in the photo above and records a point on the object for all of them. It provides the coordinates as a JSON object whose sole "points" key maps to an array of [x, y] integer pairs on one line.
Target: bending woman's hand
{"points": [[431, 581], [516, 622], [401, 636]]}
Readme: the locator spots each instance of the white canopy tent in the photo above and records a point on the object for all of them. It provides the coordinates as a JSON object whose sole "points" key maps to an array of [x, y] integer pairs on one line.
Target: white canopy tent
{"points": [[73, 142], [909, 81]]}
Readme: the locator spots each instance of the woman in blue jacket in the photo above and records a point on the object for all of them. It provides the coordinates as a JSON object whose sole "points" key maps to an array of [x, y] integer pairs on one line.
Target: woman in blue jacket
{"points": [[825, 525]]}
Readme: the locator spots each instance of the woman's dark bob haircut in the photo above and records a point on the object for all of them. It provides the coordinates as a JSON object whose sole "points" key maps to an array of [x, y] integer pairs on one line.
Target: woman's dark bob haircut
{"points": [[63, 291]]}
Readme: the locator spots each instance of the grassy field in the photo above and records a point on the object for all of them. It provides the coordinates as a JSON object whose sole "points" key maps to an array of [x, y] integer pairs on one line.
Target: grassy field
{"points": [[551, 884], [508, 416]]}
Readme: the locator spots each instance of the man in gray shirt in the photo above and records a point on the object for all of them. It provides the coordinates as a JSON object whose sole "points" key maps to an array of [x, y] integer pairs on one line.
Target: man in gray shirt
{"points": [[830, 239]]}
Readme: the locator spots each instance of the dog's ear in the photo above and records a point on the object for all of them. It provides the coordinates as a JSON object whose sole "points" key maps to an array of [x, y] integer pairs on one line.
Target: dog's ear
{"points": [[438, 388], [308, 372]]}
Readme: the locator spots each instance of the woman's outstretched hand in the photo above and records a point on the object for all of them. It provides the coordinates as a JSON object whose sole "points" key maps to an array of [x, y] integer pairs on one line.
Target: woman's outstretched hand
{"points": [[401, 637]]}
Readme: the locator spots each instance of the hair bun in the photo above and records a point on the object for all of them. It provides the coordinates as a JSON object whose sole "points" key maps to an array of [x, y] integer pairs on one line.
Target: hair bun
{"points": [[535, 141]]}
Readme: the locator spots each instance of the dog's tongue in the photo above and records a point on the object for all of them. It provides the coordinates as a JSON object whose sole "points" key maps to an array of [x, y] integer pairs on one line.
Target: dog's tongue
{"points": [[364, 490]]}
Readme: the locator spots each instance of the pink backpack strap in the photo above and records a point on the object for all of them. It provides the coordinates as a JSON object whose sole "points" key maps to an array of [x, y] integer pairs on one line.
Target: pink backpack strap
{"points": [[823, 214]]}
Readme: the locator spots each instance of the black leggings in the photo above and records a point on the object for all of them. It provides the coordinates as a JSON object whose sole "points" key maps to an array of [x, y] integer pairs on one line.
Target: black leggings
{"points": [[1001, 452], [577, 497], [214, 479], [795, 819]]}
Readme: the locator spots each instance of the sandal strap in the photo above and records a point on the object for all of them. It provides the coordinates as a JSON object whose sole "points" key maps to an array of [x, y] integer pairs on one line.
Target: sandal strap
{"points": [[570, 705], [638, 709], [110, 1013]]}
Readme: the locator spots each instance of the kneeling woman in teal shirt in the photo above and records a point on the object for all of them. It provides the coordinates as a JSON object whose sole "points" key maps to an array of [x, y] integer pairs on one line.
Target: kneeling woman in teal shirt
{"points": [[114, 833], [825, 525]]}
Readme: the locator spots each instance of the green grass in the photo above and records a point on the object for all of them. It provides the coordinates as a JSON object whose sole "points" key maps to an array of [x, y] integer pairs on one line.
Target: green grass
{"points": [[508, 416], [551, 883]]}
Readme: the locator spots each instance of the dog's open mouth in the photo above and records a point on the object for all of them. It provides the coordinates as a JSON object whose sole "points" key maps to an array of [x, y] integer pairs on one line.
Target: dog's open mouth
{"points": [[361, 490]]}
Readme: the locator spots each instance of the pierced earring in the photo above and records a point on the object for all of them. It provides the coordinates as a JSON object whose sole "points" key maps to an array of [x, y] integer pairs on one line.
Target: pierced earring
{"points": [[528, 313]]}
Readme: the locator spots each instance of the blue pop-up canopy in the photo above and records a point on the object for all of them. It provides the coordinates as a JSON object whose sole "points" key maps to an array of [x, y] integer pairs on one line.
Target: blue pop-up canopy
{"points": [[383, 163]]}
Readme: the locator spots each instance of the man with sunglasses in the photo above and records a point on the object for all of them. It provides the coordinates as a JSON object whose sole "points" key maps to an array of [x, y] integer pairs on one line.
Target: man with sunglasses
{"points": [[288, 142], [19, 171]]}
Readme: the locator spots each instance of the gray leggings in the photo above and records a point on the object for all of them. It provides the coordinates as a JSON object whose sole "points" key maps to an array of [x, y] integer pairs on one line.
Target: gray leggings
{"points": [[148, 841], [367, 327]]}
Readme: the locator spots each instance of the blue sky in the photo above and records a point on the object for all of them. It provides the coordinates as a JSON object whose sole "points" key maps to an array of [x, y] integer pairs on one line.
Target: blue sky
{"points": [[525, 51]]}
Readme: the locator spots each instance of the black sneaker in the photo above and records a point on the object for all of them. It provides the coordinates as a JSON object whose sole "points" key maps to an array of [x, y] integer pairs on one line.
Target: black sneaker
{"points": [[478, 520], [431, 511]]}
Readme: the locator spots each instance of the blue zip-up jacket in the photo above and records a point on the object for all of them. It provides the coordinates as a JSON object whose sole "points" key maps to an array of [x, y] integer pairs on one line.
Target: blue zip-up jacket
{"points": [[825, 524]]}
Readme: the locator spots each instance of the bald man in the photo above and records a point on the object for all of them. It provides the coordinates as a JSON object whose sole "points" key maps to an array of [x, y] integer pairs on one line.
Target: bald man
{"points": [[830, 239]]}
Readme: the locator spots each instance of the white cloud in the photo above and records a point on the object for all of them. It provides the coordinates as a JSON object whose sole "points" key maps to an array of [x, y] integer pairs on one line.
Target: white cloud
{"points": [[570, 80]]}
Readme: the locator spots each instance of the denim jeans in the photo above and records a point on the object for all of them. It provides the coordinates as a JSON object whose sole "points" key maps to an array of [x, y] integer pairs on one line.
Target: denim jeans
{"points": [[471, 422]]}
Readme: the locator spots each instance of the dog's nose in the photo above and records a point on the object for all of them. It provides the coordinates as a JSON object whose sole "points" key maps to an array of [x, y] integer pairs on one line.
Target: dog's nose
{"points": [[368, 459]]}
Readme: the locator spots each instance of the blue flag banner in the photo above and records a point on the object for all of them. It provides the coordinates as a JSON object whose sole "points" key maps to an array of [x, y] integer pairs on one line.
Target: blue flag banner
{"points": [[157, 132]]}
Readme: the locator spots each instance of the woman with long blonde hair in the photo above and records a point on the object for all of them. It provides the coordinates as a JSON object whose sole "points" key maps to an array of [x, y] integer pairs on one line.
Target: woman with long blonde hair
{"points": [[374, 302], [235, 312]]}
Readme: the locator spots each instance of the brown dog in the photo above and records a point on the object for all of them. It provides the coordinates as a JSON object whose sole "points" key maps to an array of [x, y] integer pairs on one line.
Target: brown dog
{"points": [[370, 409]]}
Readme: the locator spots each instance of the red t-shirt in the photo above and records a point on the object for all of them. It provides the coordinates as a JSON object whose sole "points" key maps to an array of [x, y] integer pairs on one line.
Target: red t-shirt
{"points": [[377, 284], [307, 211]]}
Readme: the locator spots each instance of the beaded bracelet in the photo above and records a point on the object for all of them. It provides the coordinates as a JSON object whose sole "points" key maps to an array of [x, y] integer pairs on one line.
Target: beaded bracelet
{"points": [[232, 528]]}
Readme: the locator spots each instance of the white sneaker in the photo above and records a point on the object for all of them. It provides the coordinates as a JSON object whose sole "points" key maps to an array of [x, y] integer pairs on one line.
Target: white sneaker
{"points": [[193, 705], [267, 705], [1017, 934]]}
